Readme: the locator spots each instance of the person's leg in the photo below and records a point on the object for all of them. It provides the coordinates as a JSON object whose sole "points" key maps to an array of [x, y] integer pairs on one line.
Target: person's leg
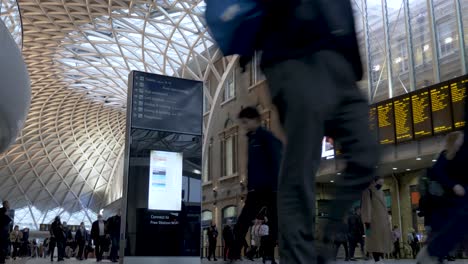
{"points": [[352, 247], [345, 244], [243, 224]]}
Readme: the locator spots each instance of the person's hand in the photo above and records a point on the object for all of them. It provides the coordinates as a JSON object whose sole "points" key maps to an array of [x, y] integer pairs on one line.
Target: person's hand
{"points": [[459, 190]]}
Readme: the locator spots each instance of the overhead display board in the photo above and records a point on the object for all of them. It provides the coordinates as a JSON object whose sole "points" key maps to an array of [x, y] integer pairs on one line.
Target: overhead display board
{"points": [[386, 121], [429, 111], [403, 119], [422, 124]]}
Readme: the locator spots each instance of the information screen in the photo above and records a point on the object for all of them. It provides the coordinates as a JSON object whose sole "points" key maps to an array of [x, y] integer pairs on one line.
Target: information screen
{"points": [[422, 123], [441, 110], [386, 121], [458, 92], [165, 181], [373, 122], [328, 148], [403, 119]]}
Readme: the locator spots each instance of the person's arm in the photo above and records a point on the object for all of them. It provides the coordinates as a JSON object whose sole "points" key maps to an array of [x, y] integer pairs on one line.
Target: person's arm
{"points": [[275, 149], [439, 173]]}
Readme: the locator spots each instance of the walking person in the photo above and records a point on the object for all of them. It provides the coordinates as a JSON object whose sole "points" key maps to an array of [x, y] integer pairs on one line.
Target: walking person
{"points": [[448, 171], [16, 239], [376, 221], [356, 233], [113, 224], [81, 238], [5, 222], [59, 239], [396, 234], [212, 241], [267, 243], [264, 158], [413, 242], [228, 237], [341, 239], [99, 235]]}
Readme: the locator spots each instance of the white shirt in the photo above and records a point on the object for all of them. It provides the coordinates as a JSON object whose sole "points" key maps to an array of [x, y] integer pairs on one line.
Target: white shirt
{"points": [[101, 228]]}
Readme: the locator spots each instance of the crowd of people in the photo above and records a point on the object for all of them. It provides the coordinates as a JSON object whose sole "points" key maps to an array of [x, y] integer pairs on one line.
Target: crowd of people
{"points": [[61, 243]]}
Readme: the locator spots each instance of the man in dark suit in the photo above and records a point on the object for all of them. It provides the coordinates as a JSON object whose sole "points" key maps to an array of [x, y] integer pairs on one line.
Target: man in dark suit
{"points": [[81, 238], [113, 226], [5, 222], [99, 235]]}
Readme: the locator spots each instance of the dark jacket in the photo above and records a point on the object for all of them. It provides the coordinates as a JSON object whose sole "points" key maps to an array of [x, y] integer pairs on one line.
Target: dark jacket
{"points": [[57, 230], [212, 234], [228, 234], [5, 222], [95, 230], [287, 36], [68, 233], [81, 236], [450, 172], [113, 226], [264, 160], [355, 227]]}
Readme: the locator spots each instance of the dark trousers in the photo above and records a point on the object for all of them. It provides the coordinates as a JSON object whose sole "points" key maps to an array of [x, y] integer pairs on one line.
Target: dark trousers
{"points": [[396, 249], [316, 96], [16, 249], [81, 247], [255, 201], [227, 249], [60, 249], [337, 248], [212, 249], [99, 244], [267, 248], [114, 247], [353, 242], [377, 256], [4, 244]]}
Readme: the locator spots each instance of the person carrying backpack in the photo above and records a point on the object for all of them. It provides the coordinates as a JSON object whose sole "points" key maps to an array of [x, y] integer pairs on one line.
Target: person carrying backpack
{"points": [[311, 60]]}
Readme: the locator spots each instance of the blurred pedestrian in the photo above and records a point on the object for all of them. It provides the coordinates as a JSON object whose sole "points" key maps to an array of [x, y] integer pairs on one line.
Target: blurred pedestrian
{"points": [[356, 233], [212, 241], [113, 224], [375, 218], [341, 239], [228, 237], [396, 233], [5, 221], [16, 239], [264, 159], [99, 234], [81, 238], [449, 172], [58, 238], [311, 73]]}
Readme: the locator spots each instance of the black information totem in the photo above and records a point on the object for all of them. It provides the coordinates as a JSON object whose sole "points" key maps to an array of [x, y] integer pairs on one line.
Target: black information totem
{"points": [[162, 177]]}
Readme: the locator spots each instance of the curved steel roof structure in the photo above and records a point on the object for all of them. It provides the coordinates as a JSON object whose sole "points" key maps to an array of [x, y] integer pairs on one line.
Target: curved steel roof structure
{"points": [[68, 159]]}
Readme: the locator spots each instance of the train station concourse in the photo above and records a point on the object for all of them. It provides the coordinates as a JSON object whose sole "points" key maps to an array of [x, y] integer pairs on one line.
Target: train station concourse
{"points": [[86, 66]]}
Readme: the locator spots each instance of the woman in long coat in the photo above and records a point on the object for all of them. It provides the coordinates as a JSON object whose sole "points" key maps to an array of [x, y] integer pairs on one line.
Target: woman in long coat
{"points": [[375, 218]]}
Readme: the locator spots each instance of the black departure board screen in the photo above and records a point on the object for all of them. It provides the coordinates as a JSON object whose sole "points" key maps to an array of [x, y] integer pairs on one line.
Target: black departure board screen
{"points": [[166, 103], [421, 107], [458, 92], [373, 121], [403, 119], [441, 109], [386, 122]]}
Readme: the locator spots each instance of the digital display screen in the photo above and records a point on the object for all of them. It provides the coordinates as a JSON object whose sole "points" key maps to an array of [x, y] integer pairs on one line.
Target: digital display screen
{"points": [[458, 92], [373, 121], [422, 123], [441, 110], [386, 122], [165, 181], [328, 148], [403, 119]]}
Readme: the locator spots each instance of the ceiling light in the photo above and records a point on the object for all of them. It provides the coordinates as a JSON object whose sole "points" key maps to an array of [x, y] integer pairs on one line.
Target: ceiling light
{"points": [[332, 181], [448, 40], [376, 68], [398, 60], [434, 160], [339, 173], [418, 158], [395, 168], [426, 47], [408, 169], [197, 171]]}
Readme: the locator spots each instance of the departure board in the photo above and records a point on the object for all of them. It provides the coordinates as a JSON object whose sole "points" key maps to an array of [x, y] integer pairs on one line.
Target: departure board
{"points": [[403, 119], [373, 121], [441, 109], [458, 92], [422, 123], [386, 122]]}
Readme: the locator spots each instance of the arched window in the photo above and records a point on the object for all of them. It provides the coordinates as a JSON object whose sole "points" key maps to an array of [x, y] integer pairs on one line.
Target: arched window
{"points": [[230, 213], [206, 218]]}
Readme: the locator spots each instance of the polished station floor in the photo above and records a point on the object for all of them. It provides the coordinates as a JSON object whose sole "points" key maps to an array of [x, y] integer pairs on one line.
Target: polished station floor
{"points": [[73, 261]]}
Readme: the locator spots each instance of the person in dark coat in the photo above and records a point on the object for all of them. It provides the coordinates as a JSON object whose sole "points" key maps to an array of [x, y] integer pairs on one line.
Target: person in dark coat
{"points": [[113, 226], [212, 241], [341, 239], [228, 237], [264, 161], [99, 235], [5, 222], [81, 238], [59, 238], [356, 232]]}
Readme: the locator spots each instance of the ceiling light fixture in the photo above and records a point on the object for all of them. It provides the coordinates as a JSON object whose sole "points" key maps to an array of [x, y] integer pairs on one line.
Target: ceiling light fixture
{"points": [[408, 169], [332, 181], [418, 158], [395, 168], [434, 160]]}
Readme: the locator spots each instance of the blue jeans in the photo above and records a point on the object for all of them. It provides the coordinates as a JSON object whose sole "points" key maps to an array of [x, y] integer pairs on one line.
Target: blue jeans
{"points": [[453, 232], [115, 247]]}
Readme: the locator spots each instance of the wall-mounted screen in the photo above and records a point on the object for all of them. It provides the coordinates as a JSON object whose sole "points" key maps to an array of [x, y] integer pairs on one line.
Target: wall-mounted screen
{"points": [[386, 121], [441, 109], [422, 123], [403, 119], [328, 148], [458, 92], [165, 181]]}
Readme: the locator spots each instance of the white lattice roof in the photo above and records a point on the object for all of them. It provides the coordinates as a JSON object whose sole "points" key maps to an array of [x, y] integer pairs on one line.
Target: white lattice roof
{"points": [[79, 53]]}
